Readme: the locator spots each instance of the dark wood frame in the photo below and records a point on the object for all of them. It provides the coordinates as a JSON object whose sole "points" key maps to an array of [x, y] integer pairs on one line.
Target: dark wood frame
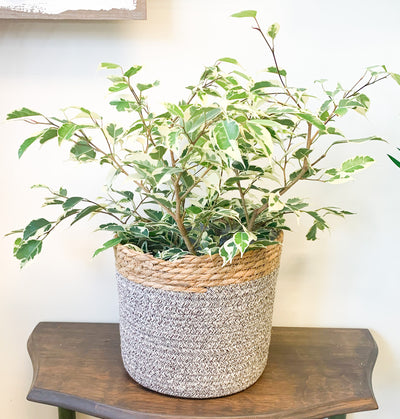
{"points": [[113, 14]]}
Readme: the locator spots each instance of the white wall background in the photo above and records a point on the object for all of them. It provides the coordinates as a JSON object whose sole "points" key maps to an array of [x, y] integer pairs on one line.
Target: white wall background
{"points": [[349, 278]]}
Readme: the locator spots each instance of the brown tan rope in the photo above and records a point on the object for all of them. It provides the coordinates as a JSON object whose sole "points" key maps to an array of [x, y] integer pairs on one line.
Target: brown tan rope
{"points": [[196, 273]]}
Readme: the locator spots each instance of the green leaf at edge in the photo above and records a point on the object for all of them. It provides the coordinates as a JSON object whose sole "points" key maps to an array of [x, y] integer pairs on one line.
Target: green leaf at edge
{"points": [[229, 60], [395, 77], [245, 13], [26, 144], [395, 161], [109, 65], [110, 243], [22, 113]]}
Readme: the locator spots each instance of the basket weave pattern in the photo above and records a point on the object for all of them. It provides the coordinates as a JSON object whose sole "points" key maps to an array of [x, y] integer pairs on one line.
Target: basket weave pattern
{"points": [[196, 273], [209, 342]]}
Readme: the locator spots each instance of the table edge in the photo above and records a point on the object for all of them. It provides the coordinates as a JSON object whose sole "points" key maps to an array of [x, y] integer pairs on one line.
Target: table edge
{"points": [[90, 407]]}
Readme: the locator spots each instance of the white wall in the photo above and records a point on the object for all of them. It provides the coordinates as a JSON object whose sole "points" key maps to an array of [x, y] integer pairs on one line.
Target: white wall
{"points": [[349, 278]]}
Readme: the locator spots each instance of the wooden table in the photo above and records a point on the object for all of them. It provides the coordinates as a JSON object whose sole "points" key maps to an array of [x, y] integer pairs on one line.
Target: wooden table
{"points": [[311, 373]]}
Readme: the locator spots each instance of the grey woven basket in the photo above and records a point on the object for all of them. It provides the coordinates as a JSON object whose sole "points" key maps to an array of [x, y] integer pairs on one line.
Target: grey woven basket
{"points": [[206, 343]]}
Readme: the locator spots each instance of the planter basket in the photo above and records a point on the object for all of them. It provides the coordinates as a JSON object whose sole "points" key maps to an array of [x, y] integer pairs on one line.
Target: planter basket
{"points": [[192, 327]]}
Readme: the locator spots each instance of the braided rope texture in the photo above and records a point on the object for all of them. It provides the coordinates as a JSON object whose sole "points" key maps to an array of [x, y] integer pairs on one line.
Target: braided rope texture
{"points": [[203, 344], [196, 273]]}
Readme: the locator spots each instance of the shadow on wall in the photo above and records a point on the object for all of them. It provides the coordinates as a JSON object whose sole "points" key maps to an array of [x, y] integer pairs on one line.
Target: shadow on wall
{"points": [[82, 41], [299, 278]]}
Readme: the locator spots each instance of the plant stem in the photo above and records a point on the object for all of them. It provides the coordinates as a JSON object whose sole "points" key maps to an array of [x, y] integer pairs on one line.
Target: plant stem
{"points": [[179, 219], [272, 49], [242, 198], [188, 190], [147, 127]]}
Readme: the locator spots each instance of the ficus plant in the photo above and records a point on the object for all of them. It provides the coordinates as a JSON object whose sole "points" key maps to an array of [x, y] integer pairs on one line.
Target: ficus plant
{"points": [[212, 173]]}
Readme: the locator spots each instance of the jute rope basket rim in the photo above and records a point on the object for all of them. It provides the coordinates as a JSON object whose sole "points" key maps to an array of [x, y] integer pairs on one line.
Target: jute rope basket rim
{"points": [[196, 273]]}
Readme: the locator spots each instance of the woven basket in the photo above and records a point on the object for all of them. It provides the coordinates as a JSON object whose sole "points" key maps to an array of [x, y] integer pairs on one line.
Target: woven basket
{"points": [[194, 328]]}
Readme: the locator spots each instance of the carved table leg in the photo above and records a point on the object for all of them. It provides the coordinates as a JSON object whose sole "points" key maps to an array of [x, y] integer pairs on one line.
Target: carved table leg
{"points": [[66, 414]]}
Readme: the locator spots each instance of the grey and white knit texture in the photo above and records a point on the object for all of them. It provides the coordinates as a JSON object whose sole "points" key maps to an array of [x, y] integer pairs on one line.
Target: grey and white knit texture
{"points": [[196, 345]]}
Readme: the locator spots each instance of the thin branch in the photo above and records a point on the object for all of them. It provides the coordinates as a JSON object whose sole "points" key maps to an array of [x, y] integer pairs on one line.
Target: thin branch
{"points": [[272, 49], [139, 102], [179, 221], [188, 190]]}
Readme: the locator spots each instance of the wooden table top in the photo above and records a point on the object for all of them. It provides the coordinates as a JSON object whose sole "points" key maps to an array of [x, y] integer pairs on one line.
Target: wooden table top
{"points": [[311, 373]]}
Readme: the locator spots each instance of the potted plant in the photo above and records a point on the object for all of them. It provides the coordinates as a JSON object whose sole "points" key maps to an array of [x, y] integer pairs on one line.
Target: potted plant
{"points": [[197, 233]]}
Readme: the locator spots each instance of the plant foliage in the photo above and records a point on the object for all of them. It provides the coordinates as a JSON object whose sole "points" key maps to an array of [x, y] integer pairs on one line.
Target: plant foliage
{"points": [[211, 173]]}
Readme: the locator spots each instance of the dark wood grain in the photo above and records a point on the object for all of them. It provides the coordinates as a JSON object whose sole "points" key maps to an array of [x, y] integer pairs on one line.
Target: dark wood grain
{"points": [[311, 373], [113, 14]]}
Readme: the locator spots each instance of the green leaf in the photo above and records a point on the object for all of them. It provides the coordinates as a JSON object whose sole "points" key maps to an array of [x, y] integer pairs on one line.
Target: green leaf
{"points": [[262, 84], [124, 105], [71, 202], [357, 163], [109, 65], [314, 120], [242, 241], [32, 228], [139, 231], [114, 131], [309, 172], [228, 251], [161, 200], [317, 217], [359, 140], [350, 166], [48, 135], [86, 211], [395, 161], [273, 30], [158, 152], [154, 215], [26, 144], [263, 137], [143, 87], [193, 209], [274, 203], [201, 117], [174, 110], [296, 204], [237, 94], [117, 87], [245, 13], [312, 233], [107, 245], [229, 60], [395, 77], [341, 111], [275, 125], [235, 179], [239, 73], [111, 227], [301, 153], [83, 151], [274, 70], [22, 113], [226, 133], [334, 131], [28, 250], [67, 130], [132, 71]]}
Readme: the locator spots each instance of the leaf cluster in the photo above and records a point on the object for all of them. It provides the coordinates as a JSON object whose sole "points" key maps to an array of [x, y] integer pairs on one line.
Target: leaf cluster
{"points": [[210, 174]]}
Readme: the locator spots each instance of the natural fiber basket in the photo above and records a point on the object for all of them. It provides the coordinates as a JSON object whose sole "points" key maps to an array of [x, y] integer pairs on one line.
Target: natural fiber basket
{"points": [[192, 327]]}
